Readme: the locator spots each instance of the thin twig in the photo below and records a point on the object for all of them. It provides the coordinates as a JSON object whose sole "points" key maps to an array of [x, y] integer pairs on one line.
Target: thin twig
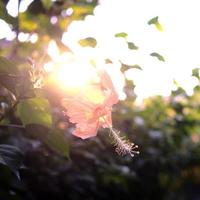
{"points": [[11, 75], [11, 126]]}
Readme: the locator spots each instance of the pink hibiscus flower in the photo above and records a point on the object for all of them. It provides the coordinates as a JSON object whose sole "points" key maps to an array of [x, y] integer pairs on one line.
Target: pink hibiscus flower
{"points": [[91, 109]]}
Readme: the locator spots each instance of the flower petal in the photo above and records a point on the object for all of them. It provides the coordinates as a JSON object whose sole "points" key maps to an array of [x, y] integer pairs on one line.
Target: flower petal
{"points": [[107, 85], [90, 130]]}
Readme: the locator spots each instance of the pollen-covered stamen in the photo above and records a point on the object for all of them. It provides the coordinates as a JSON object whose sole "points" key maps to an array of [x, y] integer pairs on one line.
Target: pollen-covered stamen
{"points": [[123, 146]]}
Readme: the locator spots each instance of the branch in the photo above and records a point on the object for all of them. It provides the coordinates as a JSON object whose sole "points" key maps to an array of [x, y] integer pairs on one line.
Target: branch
{"points": [[11, 126]]}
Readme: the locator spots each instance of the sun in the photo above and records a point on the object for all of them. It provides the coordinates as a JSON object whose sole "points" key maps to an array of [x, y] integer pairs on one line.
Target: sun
{"points": [[75, 75], [72, 73], [75, 71]]}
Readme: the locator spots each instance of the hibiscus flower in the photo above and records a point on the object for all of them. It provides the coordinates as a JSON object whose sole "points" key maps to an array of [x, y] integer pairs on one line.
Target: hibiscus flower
{"points": [[91, 109]]}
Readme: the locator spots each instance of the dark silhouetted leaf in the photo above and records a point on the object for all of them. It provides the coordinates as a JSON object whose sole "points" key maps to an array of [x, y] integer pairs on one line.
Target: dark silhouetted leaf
{"points": [[37, 131], [132, 46], [195, 73], [121, 34], [126, 67], [36, 8], [47, 4], [8, 82], [8, 74], [155, 22], [158, 56], [80, 11], [10, 156], [88, 42], [7, 67], [5, 16], [58, 143], [108, 61], [5, 177], [35, 111]]}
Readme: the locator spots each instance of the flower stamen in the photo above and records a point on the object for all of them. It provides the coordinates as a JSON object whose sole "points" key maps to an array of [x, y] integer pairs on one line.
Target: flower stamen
{"points": [[122, 145]]}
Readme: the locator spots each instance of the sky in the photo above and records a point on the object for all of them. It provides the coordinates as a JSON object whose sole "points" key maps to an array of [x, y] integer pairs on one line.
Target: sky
{"points": [[178, 43]]}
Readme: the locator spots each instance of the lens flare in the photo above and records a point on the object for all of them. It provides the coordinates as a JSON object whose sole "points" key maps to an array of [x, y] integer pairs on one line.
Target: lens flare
{"points": [[75, 75]]}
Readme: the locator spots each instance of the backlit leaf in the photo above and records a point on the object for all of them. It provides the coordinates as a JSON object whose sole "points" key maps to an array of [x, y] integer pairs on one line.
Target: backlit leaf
{"points": [[195, 73], [121, 34], [156, 22], [88, 42], [126, 67], [6, 66], [10, 156], [58, 143], [80, 11], [158, 56], [8, 74], [132, 46], [5, 16], [108, 61], [47, 4], [35, 111]]}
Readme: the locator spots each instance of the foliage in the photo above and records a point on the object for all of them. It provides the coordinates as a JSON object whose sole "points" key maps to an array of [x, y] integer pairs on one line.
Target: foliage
{"points": [[158, 56], [155, 22], [167, 131]]}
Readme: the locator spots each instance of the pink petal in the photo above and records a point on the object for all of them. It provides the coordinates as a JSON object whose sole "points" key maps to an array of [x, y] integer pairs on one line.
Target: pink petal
{"points": [[88, 131], [107, 84], [78, 110]]}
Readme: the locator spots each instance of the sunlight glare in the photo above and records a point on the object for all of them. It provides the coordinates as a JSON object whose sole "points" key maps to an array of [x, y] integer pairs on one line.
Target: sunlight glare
{"points": [[6, 31], [53, 50], [69, 71], [75, 75], [24, 5], [12, 8], [179, 43]]}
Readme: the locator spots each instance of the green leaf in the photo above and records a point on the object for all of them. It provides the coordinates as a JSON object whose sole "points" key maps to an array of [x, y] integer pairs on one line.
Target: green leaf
{"points": [[58, 142], [155, 21], [80, 11], [88, 42], [37, 131], [7, 67], [5, 16], [28, 23], [108, 61], [36, 8], [158, 56], [6, 176], [35, 111], [10, 156], [47, 4], [8, 74], [126, 67], [195, 73], [8, 82], [121, 34], [132, 46]]}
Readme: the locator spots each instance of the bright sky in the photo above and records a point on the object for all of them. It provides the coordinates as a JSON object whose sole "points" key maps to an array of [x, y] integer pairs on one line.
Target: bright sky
{"points": [[179, 43]]}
